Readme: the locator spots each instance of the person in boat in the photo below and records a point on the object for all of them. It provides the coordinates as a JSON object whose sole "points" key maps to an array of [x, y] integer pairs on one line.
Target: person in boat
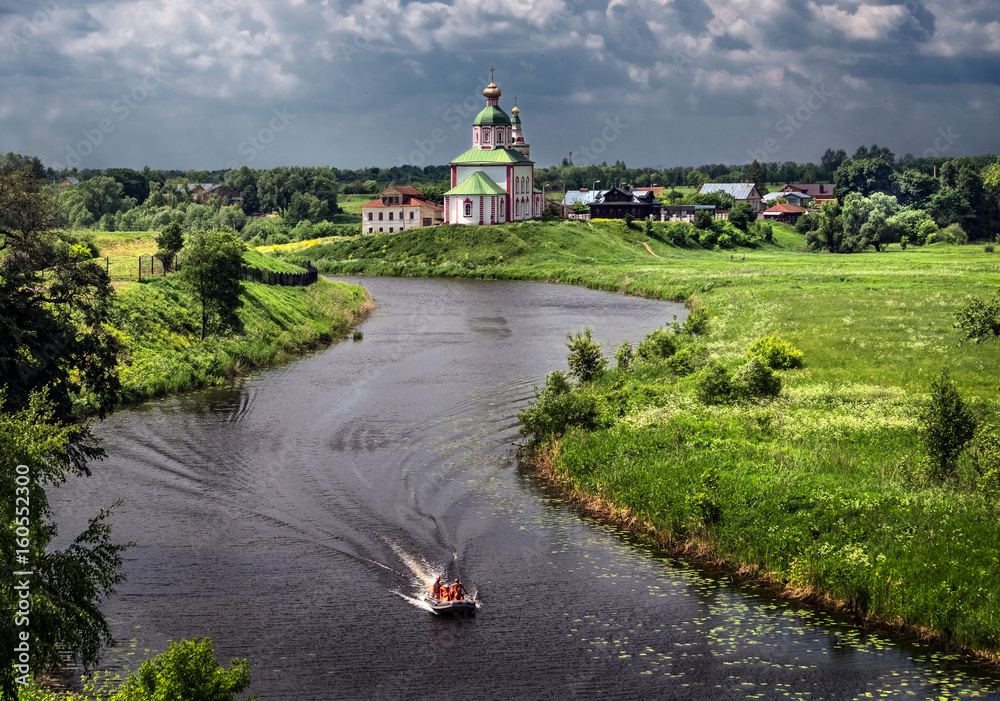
{"points": [[458, 590], [436, 588]]}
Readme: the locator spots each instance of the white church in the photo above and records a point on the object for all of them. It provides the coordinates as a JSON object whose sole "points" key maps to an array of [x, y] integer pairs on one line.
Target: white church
{"points": [[494, 181]]}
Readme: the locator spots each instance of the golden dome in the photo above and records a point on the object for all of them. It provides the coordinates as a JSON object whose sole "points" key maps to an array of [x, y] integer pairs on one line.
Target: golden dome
{"points": [[516, 110], [491, 91]]}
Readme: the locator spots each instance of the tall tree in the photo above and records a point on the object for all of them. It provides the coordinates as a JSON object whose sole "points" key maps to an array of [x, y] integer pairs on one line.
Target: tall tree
{"points": [[831, 160], [863, 176], [916, 189], [134, 184], [755, 174], [244, 181], [58, 363], [212, 272], [54, 303]]}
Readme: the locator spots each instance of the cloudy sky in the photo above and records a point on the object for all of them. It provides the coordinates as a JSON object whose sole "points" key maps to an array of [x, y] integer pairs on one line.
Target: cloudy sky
{"points": [[205, 84]]}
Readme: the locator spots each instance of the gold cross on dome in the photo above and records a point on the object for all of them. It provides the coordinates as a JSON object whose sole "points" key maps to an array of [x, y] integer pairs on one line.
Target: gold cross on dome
{"points": [[491, 74]]}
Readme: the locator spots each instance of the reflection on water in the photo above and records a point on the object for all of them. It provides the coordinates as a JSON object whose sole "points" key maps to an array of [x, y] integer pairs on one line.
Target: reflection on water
{"points": [[298, 517]]}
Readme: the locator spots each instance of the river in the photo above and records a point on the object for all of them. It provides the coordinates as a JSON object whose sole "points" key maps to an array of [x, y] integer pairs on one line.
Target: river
{"points": [[295, 516]]}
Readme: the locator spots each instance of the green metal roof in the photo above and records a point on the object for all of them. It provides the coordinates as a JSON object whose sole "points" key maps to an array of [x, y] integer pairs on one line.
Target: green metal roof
{"points": [[497, 156], [479, 183], [491, 117]]}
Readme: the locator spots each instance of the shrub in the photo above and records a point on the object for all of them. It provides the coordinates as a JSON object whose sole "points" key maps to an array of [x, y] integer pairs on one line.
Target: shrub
{"points": [[945, 424], [556, 408], [684, 361], [984, 450], [776, 353], [187, 670], [954, 233], [696, 322], [585, 359], [623, 356], [703, 501], [754, 380], [988, 248], [658, 344], [713, 385]]}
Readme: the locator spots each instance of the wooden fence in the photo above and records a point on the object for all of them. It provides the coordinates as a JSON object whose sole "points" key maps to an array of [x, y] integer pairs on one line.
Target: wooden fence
{"points": [[269, 277], [137, 267]]}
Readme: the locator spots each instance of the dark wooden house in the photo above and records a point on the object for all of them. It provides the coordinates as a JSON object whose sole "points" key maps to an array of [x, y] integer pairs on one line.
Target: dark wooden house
{"points": [[617, 202]]}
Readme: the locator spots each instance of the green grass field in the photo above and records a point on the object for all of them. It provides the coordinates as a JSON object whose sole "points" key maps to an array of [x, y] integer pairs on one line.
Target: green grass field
{"points": [[821, 491]]}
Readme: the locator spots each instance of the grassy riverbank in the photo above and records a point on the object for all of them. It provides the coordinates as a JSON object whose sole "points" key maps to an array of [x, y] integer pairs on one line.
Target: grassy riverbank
{"points": [[819, 491], [159, 327]]}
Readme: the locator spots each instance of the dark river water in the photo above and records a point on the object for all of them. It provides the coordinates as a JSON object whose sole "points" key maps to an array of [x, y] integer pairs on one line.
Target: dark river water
{"points": [[295, 517]]}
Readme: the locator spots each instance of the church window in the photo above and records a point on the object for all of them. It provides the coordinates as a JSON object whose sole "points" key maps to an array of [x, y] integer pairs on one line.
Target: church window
{"points": [[468, 209], [486, 136]]}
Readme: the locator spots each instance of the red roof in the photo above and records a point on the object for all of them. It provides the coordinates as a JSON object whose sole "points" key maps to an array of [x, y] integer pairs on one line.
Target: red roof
{"points": [[414, 201], [786, 209]]}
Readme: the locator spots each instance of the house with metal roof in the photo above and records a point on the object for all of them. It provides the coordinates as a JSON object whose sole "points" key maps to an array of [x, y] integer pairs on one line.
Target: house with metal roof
{"points": [[494, 181], [745, 192]]}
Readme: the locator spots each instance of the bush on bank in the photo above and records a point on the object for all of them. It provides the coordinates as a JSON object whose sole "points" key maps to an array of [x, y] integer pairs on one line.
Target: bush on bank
{"points": [[818, 488]]}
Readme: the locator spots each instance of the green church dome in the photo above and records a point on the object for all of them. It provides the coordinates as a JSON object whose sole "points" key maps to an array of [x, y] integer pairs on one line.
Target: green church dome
{"points": [[492, 117]]}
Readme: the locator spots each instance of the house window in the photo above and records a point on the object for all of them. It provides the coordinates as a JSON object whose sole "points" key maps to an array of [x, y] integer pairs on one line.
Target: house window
{"points": [[411, 215], [369, 216], [390, 216], [390, 229], [468, 209], [380, 229], [427, 221], [380, 216]]}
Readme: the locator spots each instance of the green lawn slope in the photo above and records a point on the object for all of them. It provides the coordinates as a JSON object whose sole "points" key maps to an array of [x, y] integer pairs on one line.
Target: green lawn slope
{"points": [[159, 326]]}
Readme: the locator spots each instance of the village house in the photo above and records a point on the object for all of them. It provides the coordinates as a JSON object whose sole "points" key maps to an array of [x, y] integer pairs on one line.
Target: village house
{"points": [[618, 202], [399, 207], [686, 212], [819, 193], [203, 192], [785, 213], [741, 192]]}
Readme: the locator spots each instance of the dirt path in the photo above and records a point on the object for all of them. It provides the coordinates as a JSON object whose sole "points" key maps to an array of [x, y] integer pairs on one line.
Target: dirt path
{"points": [[649, 249]]}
